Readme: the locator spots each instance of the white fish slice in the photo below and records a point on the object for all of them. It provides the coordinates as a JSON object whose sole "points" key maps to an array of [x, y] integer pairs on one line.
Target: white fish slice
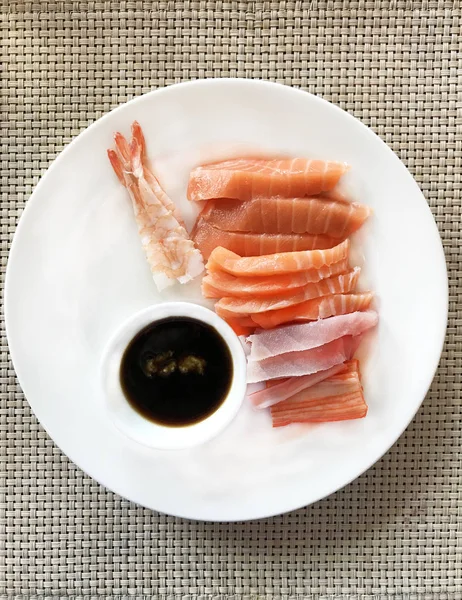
{"points": [[295, 364], [304, 336]]}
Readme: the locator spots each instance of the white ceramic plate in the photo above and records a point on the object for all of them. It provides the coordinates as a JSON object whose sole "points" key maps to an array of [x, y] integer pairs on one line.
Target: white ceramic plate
{"points": [[76, 270]]}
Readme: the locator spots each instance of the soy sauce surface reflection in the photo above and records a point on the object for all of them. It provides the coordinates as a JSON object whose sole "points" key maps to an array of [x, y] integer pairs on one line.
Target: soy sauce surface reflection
{"points": [[176, 371]]}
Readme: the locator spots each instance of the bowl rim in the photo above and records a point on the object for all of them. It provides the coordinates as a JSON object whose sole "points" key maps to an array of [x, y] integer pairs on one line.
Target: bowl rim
{"points": [[140, 429]]}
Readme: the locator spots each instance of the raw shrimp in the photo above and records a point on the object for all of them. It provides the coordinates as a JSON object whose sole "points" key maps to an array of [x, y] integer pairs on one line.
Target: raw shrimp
{"points": [[169, 251]]}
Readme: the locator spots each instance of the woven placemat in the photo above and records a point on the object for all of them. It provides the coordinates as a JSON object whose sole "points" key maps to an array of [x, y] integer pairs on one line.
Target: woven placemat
{"points": [[396, 531]]}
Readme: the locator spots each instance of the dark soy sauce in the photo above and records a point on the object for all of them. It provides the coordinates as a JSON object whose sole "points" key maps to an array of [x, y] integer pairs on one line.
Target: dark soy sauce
{"points": [[176, 371]]}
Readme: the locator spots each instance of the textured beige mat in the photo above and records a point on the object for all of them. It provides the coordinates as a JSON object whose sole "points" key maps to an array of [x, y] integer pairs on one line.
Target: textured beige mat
{"points": [[396, 532]]}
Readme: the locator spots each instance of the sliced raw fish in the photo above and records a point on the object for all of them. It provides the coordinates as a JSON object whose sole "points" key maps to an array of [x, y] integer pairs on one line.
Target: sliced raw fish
{"points": [[280, 390], [207, 238], [339, 408], [219, 284], [336, 385], [209, 290], [241, 326], [246, 178], [318, 215], [245, 345], [279, 263], [346, 367], [337, 398], [339, 284], [302, 336], [349, 365], [318, 308], [245, 321], [296, 364]]}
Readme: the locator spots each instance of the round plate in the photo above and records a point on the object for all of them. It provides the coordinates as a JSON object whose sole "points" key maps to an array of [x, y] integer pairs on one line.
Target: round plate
{"points": [[77, 269]]}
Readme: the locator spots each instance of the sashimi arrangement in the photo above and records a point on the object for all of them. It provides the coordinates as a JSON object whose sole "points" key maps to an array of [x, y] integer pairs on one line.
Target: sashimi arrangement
{"points": [[275, 235]]}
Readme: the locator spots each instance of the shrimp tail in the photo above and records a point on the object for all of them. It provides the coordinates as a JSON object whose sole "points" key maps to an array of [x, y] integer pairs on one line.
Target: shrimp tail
{"points": [[116, 165], [137, 134], [123, 148], [136, 159], [141, 168]]}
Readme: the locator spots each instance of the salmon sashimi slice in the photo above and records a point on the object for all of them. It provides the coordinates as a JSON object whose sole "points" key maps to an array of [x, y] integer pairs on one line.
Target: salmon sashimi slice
{"points": [[241, 326], [279, 263], [339, 284], [317, 216], [222, 284], [245, 321], [302, 336], [207, 238], [337, 398], [318, 308], [296, 364], [209, 290], [247, 178], [281, 389]]}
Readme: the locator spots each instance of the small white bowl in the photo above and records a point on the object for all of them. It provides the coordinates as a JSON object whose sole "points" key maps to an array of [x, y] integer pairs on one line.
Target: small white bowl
{"points": [[132, 423]]}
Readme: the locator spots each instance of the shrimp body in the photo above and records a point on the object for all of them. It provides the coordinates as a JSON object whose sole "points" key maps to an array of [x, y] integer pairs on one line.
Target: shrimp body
{"points": [[170, 252]]}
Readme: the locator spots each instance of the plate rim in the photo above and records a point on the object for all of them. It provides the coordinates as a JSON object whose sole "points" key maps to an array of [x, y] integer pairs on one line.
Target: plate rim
{"points": [[441, 259]]}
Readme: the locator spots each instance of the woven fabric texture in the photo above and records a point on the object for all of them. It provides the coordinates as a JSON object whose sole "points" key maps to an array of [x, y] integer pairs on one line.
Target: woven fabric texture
{"points": [[396, 532]]}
